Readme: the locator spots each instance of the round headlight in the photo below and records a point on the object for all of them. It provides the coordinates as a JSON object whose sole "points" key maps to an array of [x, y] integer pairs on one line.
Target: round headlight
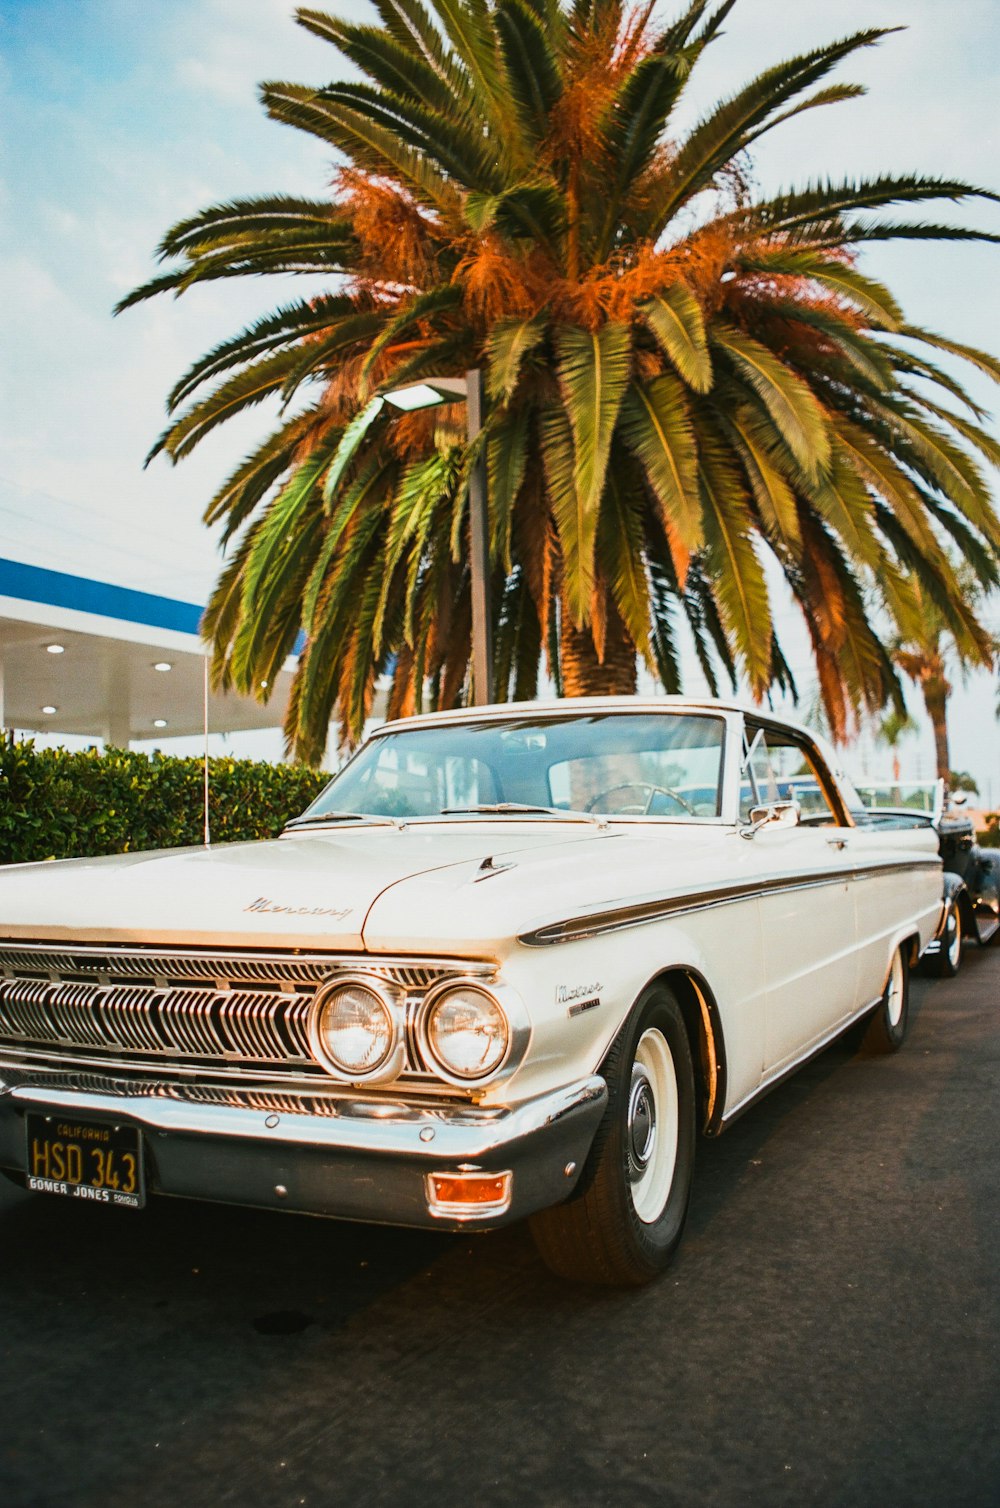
{"points": [[467, 1032], [355, 1029]]}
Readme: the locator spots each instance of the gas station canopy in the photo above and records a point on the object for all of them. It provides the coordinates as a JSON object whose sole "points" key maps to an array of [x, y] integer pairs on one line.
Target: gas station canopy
{"points": [[87, 657]]}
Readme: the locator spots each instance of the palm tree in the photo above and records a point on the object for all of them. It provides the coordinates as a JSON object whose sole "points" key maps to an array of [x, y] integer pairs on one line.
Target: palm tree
{"points": [[683, 378], [923, 656]]}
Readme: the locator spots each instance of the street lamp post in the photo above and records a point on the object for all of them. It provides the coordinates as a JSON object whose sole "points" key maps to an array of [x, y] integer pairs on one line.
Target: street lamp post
{"points": [[479, 542], [427, 394]]}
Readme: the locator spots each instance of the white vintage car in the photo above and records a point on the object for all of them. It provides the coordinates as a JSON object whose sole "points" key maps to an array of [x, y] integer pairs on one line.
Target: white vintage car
{"points": [[510, 963]]}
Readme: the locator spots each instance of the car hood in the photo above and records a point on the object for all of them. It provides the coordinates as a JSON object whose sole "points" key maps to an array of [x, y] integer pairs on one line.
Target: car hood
{"points": [[305, 889]]}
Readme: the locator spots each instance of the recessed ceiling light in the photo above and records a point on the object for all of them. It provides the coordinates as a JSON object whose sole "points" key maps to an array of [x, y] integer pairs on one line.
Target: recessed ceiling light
{"points": [[50, 711], [159, 722], [55, 649], [163, 665]]}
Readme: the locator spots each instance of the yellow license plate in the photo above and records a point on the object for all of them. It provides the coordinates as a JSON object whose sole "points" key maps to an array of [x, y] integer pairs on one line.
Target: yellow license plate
{"points": [[95, 1161]]}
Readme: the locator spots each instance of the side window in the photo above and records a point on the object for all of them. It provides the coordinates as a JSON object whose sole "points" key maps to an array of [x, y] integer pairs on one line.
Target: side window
{"points": [[776, 767]]}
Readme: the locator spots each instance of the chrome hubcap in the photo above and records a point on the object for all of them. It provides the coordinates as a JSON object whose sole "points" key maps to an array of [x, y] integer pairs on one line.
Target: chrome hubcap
{"points": [[954, 939], [641, 1123], [894, 992], [652, 1126]]}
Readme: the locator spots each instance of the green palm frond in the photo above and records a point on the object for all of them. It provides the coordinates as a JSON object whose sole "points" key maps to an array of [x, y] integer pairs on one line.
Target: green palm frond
{"points": [[350, 441], [576, 527], [622, 548], [634, 127], [739, 588], [981, 360], [374, 146], [507, 461], [244, 488], [768, 467], [531, 65], [913, 365], [593, 368], [232, 397], [724, 132], [656, 427], [373, 483], [423, 305], [790, 402], [509, 342], [438, 136], [285, 326], [388, 62], [821, 202], [677, 323], [866, 294]]}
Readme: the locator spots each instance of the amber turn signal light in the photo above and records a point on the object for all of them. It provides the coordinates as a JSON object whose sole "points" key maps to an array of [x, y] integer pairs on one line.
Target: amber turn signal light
{"points": [[468, 1196]]}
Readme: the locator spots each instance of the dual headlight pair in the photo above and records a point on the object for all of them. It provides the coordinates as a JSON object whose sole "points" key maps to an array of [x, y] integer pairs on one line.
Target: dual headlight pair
{"points": [[463, 1032]]}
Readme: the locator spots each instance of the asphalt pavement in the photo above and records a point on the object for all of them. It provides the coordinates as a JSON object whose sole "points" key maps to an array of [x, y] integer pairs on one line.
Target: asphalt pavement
{"points": [[829, 1333]]}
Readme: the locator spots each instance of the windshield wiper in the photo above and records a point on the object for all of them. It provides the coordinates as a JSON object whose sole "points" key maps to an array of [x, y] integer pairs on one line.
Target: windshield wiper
{"points": [[521, 809], [307, 821]]}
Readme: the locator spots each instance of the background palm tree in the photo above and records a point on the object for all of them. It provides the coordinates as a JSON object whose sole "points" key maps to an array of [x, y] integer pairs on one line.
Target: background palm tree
{"points": [[683, 377], [924, 657]]}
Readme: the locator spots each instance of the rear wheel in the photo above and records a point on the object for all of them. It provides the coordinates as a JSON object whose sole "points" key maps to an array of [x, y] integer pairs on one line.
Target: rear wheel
{"points": [[886, 1029], [946, 961], [625, 1222]]}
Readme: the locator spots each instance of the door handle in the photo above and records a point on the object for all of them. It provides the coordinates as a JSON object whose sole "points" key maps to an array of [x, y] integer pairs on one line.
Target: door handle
{"points": [[837, 842]]}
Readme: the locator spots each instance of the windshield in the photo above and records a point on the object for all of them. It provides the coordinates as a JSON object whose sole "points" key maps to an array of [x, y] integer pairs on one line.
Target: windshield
{"points": [[613, 764]]}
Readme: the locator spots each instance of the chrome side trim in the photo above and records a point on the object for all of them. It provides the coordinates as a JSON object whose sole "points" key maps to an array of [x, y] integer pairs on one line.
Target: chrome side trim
{"points": [[637, 914]]}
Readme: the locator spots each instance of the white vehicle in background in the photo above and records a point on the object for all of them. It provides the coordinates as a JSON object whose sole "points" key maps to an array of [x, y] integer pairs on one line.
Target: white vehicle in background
{"points": [[510, 963]]}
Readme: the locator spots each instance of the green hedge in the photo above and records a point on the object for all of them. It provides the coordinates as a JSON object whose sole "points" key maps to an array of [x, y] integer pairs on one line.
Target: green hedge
{"points": [[56, 804]]}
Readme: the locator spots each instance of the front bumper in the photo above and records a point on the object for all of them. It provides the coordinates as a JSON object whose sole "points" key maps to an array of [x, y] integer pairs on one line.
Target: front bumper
{"points": [[350, 1159]]}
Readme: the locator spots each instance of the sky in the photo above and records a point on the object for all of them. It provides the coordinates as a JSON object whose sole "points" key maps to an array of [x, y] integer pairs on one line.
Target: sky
{"points": [[123, 116]]}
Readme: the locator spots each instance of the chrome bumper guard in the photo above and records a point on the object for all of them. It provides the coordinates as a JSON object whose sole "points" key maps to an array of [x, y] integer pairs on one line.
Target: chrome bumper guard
{"points": [[354, 1159]]}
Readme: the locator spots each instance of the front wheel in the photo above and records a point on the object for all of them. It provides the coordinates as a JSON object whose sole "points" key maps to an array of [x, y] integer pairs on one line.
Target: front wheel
{"points": [[625, 1222], [886, 1029]]}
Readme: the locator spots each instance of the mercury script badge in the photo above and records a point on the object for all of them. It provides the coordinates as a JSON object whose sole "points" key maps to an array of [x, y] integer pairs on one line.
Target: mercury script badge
{"points": [[264, 903], [579, 997]]}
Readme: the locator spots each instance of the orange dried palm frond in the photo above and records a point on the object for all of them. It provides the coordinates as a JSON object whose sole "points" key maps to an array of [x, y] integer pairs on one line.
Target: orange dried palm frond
{"points": [[396, 238], [634, 41], [597, 63], [497, 285], [412, 435]]}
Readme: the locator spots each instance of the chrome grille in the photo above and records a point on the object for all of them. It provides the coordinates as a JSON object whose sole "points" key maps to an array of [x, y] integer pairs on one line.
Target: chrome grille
{"points": [[189, 1009]]}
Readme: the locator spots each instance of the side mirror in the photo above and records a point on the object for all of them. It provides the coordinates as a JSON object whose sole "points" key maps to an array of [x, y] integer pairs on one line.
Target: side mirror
{"points": [[778, 814]]}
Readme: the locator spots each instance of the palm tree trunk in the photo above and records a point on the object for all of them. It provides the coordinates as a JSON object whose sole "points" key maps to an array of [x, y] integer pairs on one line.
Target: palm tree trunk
{"points": [[583, 674], [935, 690]]}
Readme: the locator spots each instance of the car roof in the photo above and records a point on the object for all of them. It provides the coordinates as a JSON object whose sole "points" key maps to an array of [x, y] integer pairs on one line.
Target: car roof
{"points": [[570, 706]]}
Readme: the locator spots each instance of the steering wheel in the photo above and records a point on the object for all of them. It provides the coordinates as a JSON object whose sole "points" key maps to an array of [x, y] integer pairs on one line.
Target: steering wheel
{"points": [[638, 808]]}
